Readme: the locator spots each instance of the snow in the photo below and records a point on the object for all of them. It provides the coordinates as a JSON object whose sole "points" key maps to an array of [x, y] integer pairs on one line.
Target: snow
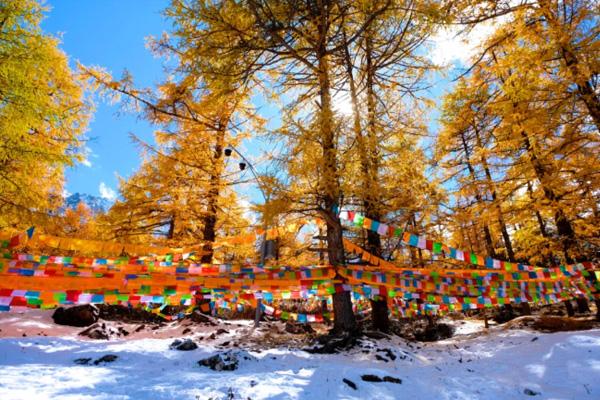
{"points": [[467, 326], [475, 364]]}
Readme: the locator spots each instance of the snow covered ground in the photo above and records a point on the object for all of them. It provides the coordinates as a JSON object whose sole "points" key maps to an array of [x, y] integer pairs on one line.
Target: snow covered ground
{"points": [[499, 364]]}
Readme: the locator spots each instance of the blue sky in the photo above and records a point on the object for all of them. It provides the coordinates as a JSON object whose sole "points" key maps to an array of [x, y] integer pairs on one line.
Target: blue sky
{"points": [[109, 33]]}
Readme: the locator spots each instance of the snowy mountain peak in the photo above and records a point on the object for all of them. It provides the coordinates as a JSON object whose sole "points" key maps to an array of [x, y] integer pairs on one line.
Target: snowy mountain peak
{"points": [[95, 203]]}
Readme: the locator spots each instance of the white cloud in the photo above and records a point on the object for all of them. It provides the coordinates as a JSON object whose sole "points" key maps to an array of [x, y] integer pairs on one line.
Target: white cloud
{"points": [[65, 193], [107, 192], [247, 210], [87, 153], [452, 45]]}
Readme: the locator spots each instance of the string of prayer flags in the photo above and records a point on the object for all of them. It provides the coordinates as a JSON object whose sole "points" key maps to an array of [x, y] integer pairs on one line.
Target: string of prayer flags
{"points": [[18, 239], [438, 248], [41, 281]]}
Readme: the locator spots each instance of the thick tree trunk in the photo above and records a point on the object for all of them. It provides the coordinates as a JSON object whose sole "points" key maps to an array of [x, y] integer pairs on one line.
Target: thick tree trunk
{"points": [[258, 313], [171, 232], [208, 233], [344, 320], [380, 315], [526, 309], [582, 305], [569, 307], [489, 244], [379, 308], [210, 221]]}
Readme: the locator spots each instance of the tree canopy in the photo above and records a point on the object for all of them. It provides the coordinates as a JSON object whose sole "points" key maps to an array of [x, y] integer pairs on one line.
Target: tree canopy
{"points": [[43, 115]]}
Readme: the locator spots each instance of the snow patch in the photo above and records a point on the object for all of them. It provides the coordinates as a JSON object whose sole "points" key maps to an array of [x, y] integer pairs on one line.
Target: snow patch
{"points": [[499, 364]]}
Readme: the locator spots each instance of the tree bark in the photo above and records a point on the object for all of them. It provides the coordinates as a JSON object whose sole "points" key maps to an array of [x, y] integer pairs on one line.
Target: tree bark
{"points": [[171, 231], [492, 188], [210, 221], [344, 320], [379, 308], [487, 236], [540, 220], [563, 225], [569, 307], [582, 305], [526, 309]]}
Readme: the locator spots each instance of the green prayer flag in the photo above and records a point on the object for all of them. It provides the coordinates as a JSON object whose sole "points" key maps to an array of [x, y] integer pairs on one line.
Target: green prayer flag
{"points": [[359, 220], [473, 258], [36, 302], [60, 296]]}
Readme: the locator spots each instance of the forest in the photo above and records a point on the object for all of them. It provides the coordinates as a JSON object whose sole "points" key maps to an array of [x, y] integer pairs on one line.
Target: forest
{"points": [[310, 160]]}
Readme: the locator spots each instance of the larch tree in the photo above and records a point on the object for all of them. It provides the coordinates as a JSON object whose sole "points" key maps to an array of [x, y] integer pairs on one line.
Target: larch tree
{"points": [[535, 77], [202, 108], [43, 115], [540, 68], [384, 73], [297, 43], [462, 148], [168, 199]]}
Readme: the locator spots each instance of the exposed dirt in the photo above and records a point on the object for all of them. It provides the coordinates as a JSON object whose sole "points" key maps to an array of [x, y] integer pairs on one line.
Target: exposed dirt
{"points": [[546, 323]]}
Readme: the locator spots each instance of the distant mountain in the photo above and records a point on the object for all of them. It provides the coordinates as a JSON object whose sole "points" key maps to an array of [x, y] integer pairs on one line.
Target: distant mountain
{"points": [[95, 203]]}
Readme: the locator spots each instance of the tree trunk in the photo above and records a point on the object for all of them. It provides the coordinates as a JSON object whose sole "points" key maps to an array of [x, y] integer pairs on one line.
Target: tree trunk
{"points": [[526, 310], [344, 320], [492, 188], [379, 308], [380, 315], [569, 307], [538, 216], [582, 305], [343, 317], [487, 236], [171, 231], [563, 225], [210, 221], [258, 313]]}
